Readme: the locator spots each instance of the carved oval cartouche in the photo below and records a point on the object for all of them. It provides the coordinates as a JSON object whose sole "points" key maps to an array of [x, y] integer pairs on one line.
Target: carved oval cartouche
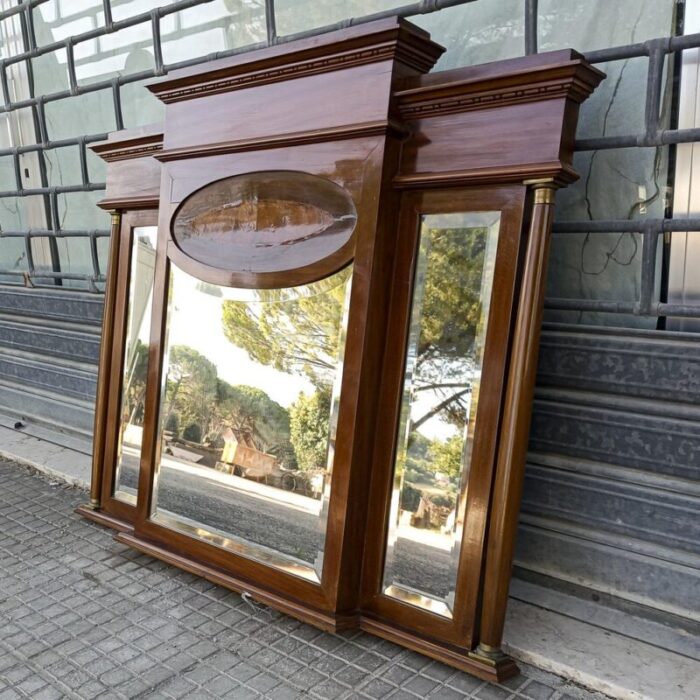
{"points": [[265, 222]]}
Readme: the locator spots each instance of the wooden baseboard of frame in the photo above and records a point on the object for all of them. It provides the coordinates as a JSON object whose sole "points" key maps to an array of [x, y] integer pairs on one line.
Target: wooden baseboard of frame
{"points": [[322, 620], [494, 671], [102, 518]]}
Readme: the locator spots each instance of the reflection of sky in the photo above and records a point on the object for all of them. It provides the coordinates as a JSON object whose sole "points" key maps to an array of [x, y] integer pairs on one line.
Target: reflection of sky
{"points": [[196, 322]]}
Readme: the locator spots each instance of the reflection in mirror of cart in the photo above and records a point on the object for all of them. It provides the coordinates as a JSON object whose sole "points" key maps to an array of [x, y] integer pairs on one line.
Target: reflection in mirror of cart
{"points": [[241, 458]]}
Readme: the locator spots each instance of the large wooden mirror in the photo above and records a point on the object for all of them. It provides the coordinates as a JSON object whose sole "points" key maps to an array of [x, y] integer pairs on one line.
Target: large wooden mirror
{"points": [[321, 324]]}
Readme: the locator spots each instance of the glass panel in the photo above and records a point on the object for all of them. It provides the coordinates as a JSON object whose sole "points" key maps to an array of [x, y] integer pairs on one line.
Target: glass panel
{"points": [[452, 293], [138, 330], [249, 409], [294, 16], [267, 221], [476, 32]]}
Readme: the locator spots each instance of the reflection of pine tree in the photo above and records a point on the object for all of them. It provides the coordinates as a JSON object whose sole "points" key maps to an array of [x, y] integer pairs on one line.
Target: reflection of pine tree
{"points": [[305, 334], [309, 418], [298, 335], [255, 419], [134, 387], [191, 389]]}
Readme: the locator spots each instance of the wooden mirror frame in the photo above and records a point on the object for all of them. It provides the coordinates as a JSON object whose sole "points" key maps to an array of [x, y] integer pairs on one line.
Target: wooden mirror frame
{"points": [[496, 137]]}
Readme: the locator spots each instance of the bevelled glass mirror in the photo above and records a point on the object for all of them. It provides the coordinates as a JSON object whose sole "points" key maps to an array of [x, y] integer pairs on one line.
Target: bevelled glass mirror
{"points": [[250, 391], [135, 367], [448, 323]]}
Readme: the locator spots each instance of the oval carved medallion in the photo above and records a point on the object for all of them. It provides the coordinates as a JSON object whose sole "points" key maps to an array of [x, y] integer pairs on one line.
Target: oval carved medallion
{"points": [[265, 222]]}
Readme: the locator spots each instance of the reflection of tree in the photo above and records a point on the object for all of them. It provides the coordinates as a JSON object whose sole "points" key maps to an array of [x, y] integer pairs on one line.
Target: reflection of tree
{"points": [[291, 336], [304, 334], [134, 390], [255, 417], [191, 390], [450, 319], [309, 423], [447, 456], [200, 406]]}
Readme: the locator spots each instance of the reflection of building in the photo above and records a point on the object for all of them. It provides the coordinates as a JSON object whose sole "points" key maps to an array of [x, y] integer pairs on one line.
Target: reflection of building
{"points": [[240, 451]]}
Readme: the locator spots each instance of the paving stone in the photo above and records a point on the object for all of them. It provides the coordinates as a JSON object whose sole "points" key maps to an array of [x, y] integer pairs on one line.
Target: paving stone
{"points": [[328, 690], [492, 692], [537, 691], [377, 688], [263, 682], [420, 685], [444, 692]]}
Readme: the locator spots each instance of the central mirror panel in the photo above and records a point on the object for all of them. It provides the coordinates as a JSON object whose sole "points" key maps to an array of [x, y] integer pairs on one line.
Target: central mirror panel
{"points": [[449, 318], [249, 407]]}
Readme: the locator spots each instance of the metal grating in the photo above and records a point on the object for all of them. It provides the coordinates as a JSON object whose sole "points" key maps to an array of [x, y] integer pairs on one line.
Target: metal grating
{"points": [[656, 51]]}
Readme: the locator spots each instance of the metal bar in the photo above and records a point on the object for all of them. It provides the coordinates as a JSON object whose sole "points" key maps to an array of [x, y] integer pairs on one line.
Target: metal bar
{"points": [[619, 53], [117, 103], [6, 94], [18, 171], [82, 150], [29, 23], [270, 22], [56, 189], [622, 307], [50, 233], [530, 27], [628, 226], [72, 78], [30, 255], [662, 137], [107, 10], [94, 256], [46, 274], [157, 48], [46, 146], [646, 293], [657, 58]]}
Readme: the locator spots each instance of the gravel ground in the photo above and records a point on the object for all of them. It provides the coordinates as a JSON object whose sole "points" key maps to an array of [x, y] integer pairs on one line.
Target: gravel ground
{"points": [[285, 529]]}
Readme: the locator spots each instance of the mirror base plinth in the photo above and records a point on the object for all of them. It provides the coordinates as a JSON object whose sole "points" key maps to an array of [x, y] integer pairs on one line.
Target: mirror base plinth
{"points": [[96, 515], [486, 668], [503, 666]]}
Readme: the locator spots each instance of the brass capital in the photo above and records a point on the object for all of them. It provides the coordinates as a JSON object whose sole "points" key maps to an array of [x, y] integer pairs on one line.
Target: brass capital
{"points": [[544, 194]]}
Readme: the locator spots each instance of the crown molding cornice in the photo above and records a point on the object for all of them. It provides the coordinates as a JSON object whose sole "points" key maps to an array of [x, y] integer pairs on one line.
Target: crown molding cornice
{"points": [[129, 148], [572, 80], [391, 40]]}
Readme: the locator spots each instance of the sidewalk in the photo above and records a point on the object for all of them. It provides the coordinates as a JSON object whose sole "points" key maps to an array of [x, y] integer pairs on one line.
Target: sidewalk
{"points": [[84, 617]]}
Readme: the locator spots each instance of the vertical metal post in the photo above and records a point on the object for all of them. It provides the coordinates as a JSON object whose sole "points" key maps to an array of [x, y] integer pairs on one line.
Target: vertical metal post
{"points": [[530, 27]]}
